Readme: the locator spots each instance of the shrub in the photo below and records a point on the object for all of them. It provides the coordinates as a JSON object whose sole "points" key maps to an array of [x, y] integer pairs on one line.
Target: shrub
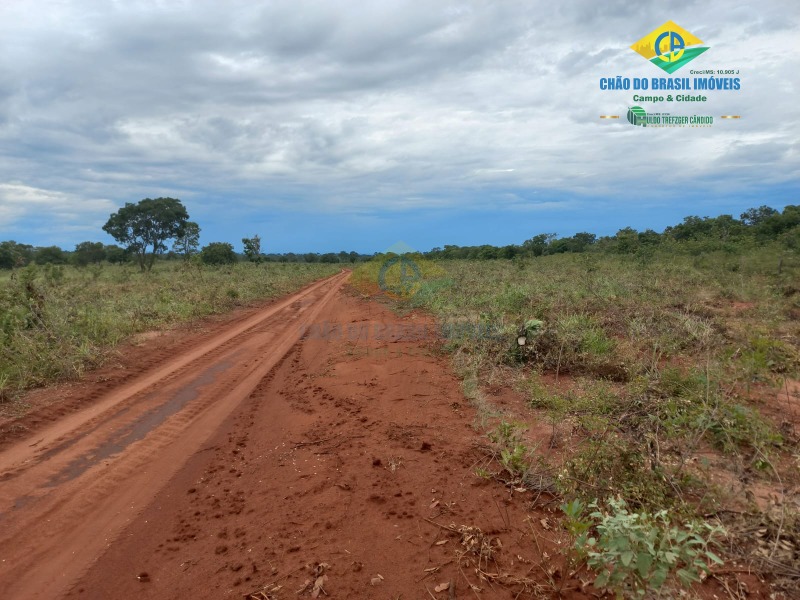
{"points": [[635, 553], [218, 253]]}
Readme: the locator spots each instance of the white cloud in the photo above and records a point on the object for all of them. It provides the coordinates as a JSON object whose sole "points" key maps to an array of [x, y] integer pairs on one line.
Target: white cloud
{"points": [[388, 105], [19, 201]]}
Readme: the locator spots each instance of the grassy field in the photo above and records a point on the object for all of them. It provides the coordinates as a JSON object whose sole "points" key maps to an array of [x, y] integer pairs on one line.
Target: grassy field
{"points": [[652, 379], [55, 322]]}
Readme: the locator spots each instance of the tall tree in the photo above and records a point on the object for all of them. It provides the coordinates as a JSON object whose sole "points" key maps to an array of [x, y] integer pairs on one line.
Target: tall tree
{"points": [[252, 248], [188, 240], [147, 226]]}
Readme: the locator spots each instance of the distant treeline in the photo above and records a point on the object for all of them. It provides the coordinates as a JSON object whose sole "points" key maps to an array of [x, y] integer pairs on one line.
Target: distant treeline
{"points": [[695, 234], [13, 255]]}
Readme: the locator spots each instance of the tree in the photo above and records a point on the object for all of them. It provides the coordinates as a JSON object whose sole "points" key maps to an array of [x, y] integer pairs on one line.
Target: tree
{"points": [[14, 255], [581, 241], [188, 240], [252, 249], [725, 227], [329, 257], [538, 244], [88, 252], [147, 226], [116, 255], [218, 253], [50, 255], [755, 216], [508, 252], [648, 237], [627, 240], [775, 224]]}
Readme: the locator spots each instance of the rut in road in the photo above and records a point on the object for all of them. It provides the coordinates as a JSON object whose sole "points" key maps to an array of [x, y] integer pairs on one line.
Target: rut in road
{"points": [[337, 463], [66, 493]]}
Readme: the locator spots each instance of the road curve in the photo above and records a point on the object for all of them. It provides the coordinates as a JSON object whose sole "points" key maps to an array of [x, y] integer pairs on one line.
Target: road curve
{"points": [[68, 492]]}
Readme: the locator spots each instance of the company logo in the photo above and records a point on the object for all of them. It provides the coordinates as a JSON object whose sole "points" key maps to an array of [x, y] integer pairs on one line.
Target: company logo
{"points": [[637, 116], [399, 277], [641, 118], [669, 47]]}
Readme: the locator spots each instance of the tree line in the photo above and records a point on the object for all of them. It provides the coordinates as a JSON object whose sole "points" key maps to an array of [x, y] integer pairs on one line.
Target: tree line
{"points": [[694, 234], [14, 255], [143, 231]]}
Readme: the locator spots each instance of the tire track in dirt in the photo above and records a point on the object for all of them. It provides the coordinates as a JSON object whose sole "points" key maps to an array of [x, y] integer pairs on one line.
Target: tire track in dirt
{"points": [[339, 455], [111, 395], [63, 499]]}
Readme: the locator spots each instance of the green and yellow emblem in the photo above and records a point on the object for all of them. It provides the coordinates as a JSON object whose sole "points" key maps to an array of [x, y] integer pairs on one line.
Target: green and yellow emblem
{"points": [[669, 47]]}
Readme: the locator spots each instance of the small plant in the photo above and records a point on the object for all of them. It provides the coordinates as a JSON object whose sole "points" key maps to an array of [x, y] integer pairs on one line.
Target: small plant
{"points": [[616, 464], [578, 526], [514, 454], [515, 459], [5, 392], [506, 434], [636, 553], [575, 521], [483, 473]]}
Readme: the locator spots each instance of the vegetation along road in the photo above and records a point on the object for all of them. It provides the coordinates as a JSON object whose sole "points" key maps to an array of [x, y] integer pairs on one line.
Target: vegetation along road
{"points": [[70, 491], [562, 418]]}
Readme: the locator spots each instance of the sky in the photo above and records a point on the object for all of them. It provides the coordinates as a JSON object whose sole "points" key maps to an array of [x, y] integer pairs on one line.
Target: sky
{"points": [[343, 125]]}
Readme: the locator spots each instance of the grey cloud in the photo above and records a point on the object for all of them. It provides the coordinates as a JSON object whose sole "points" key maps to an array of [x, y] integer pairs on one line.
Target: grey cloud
{"points": [[359, 105]]}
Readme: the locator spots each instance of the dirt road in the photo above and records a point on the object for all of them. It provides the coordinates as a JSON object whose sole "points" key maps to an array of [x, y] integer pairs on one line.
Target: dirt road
{"points": [[261, 459]]}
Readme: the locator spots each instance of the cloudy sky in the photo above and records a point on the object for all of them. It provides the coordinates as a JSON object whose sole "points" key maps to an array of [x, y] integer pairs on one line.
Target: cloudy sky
{"points": [[329, 125]]}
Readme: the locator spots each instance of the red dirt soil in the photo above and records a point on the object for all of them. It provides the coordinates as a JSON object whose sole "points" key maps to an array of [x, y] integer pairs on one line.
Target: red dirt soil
{"points": [[257, 458]]}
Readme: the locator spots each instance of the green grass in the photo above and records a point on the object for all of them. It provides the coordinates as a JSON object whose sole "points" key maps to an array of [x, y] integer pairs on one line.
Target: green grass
{"points": [[662, 355], [652, 375], [55, 322]]}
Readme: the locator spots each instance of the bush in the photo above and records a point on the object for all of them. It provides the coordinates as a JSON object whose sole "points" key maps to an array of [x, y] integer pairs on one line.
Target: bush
{"points": [[635, 553], [218, 253]]}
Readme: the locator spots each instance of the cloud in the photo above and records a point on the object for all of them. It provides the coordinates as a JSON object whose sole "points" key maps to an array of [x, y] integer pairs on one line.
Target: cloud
{"points": [[372, 108], [20, 202]]}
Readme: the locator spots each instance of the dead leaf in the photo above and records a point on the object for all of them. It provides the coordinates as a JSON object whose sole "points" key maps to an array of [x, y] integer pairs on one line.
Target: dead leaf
{"points": [[442, 587], [545, 523], [434, 504], [320, 581], [441, 542]]}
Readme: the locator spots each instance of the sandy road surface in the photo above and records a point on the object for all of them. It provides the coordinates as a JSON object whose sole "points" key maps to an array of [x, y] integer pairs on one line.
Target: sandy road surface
{"points": [[254, 462], [256, 458], [69, 489]]}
